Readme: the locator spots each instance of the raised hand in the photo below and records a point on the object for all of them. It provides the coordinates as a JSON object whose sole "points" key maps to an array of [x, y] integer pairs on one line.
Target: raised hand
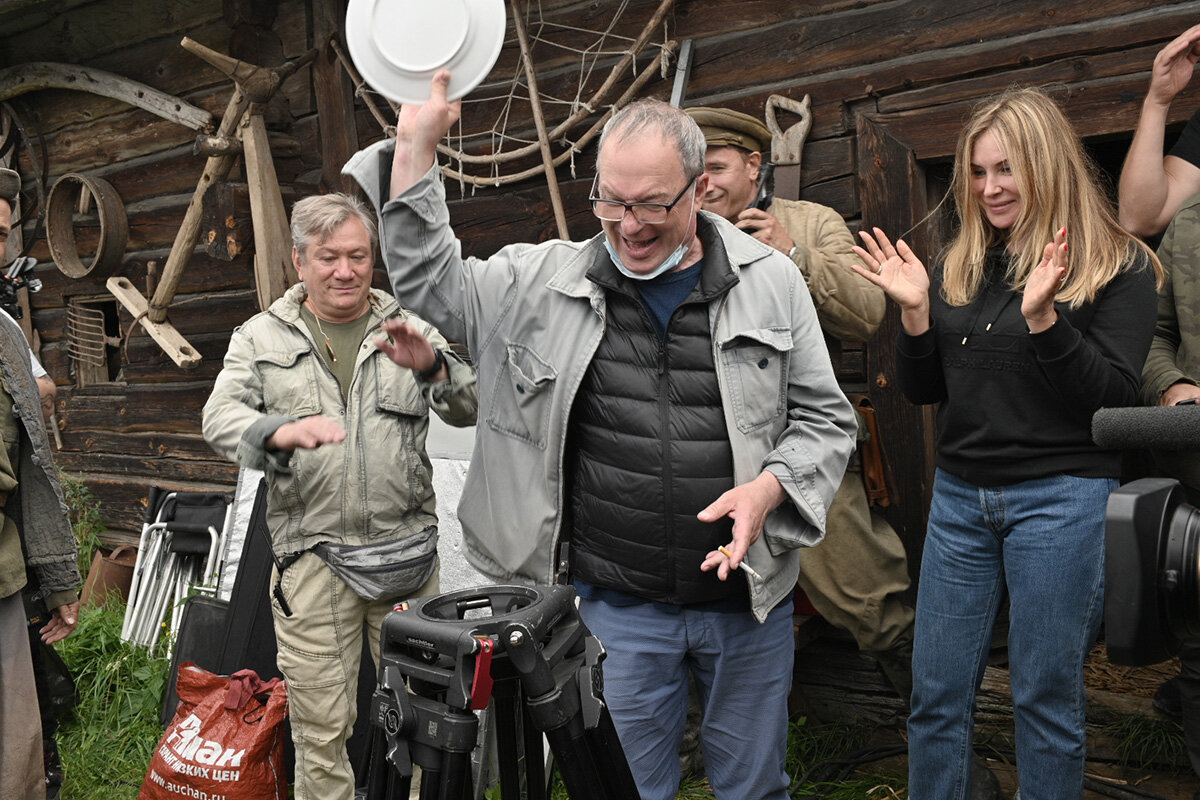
{"points": [[1173, 66], [418, 131], [897, 270], [406, 346], [1044, 282]]}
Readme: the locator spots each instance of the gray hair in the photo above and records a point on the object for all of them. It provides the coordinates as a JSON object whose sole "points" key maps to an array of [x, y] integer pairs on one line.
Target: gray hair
{"points": [[315, 218], [674, 124]]}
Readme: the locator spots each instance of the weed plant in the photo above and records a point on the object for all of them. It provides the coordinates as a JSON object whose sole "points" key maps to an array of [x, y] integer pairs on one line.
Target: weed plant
{"points": [[84, 512], [1144, 743], [107, 743]]}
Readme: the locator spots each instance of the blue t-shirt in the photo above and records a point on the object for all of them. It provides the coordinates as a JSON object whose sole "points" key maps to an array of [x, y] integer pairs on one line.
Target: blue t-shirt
{"points": [[662, 295]]}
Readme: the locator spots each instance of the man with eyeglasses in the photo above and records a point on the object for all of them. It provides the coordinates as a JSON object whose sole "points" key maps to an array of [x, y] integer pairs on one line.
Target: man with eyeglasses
{"points": [[659, 398]]}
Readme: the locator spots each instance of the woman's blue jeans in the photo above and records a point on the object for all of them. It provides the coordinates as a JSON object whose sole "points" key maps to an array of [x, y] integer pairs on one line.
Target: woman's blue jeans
{"points": [[1044, 540]]}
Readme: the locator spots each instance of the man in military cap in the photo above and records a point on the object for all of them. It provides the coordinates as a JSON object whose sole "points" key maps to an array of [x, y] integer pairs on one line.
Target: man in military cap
{"points": [[37, 546], [855, 578]]}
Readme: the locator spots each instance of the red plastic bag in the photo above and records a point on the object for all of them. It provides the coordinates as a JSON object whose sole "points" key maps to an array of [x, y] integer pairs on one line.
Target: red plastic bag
{"points": [[225, 742]]}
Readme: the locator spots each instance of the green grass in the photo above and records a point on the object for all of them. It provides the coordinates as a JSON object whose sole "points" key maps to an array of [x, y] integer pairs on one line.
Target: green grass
{"points": [[107, 743], [810, 748], [812, 761], [1146, 742]]}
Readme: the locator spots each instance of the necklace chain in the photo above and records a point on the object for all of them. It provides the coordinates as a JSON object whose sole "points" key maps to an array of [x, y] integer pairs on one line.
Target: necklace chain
{"points": [[328, 344]]}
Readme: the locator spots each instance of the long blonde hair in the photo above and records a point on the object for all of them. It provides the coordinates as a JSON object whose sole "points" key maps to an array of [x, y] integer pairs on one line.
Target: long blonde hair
{"points": [[1058, 185]]}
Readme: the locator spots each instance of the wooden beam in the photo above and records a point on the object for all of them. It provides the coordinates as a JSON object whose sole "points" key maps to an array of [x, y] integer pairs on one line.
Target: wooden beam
{"points": [[172, 343], [273, 270], [892, 188], [335, 98], [31, 77], [215, 169]]}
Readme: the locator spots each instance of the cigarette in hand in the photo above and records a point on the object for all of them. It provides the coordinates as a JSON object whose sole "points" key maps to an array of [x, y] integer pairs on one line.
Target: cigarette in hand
{"points": [[723, 550]]}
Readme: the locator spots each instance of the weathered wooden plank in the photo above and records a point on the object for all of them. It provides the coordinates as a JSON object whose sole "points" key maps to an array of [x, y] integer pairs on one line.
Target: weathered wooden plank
{"points": [[89, 31], [173, 408], [162, 468], [145, 445], [122, 498], [840, 194], [19, 16], [898, 31], [1096, 108], [225, 228], [1063, 71], [123, 136], [998, 52], [826, 159], [203, 274], [144, 362], [334, 97], [189, 314], [176, 170]]}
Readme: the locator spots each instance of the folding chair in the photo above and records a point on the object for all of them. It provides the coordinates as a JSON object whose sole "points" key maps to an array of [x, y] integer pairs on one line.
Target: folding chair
{"points": [[180, 549]]}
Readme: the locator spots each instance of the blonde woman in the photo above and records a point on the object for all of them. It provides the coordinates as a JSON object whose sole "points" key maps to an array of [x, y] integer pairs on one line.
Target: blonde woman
{"points": [[1041, 312]]}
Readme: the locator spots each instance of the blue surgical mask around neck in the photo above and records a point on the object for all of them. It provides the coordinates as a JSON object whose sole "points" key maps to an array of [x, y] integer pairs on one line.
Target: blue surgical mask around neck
{"points": [[669, 263]]}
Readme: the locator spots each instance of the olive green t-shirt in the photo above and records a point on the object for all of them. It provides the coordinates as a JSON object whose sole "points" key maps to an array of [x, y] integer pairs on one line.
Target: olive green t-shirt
{"points": [[337, 343]]}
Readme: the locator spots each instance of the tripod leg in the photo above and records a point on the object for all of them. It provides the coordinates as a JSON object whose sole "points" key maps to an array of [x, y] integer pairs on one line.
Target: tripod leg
{"points": [[535, 759], [605, 747], [505, 709], [383, 782]]}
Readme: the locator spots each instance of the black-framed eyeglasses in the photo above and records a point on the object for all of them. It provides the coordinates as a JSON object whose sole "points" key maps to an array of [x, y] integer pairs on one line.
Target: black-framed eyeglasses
{"points": [[644, 213]]}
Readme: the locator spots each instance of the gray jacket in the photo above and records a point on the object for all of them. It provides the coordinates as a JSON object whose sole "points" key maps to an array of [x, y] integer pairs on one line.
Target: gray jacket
{"points": [[374, 487], [37, 505], [532, 321]]}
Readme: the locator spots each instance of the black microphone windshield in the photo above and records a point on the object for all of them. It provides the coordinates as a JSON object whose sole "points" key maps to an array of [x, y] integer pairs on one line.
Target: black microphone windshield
{"points": [[1148, 427]]}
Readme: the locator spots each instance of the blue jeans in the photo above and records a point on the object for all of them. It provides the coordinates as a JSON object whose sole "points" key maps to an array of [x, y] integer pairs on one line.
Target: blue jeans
{"points": [[743, 671], [1044, 540]]}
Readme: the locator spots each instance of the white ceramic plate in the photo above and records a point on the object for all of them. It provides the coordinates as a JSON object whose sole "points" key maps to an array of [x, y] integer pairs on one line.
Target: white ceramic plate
{"points": [[399, 45]]}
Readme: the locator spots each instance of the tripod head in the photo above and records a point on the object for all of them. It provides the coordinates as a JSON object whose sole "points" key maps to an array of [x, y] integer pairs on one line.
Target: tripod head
{"points": [[442, 657]]}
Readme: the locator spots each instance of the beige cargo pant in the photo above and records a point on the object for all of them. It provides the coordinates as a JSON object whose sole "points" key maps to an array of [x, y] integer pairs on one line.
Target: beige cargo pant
{"points": [[856, 575], [320, 647], [22, 774]]}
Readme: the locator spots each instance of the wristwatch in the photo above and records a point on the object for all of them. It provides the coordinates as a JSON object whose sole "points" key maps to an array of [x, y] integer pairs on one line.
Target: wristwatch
{"points": [[439, 361]]}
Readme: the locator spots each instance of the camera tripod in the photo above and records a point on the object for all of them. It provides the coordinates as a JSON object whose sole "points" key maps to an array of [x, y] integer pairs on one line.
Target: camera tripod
{"points": [[527, 651]]}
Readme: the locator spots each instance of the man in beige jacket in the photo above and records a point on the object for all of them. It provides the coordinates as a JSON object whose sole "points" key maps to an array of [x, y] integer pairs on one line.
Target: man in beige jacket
{"points": [[329, 392]]}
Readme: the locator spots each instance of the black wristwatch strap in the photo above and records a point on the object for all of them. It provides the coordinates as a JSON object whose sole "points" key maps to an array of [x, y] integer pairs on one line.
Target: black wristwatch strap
{"points": [[439, 361]]}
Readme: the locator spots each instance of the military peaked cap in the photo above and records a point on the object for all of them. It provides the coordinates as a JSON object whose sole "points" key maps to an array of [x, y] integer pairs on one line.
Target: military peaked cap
{"points": [[721, 126], [10, 185]]}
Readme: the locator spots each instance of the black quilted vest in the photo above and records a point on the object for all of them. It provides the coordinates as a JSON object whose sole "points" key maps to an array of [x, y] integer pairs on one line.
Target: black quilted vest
{"points": [[649, 447]]}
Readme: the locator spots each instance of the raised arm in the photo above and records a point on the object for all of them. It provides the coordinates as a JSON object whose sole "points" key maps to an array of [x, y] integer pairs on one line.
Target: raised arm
{"points": [[418, 131], [1153, 186]]}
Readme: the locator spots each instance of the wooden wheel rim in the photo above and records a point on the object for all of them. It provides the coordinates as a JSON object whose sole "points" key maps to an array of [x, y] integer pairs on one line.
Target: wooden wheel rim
{"points": [[60, 228]]}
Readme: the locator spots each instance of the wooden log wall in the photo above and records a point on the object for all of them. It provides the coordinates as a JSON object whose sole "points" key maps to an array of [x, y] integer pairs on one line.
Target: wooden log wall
{"points": [[890, 84], [143, 428]]}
